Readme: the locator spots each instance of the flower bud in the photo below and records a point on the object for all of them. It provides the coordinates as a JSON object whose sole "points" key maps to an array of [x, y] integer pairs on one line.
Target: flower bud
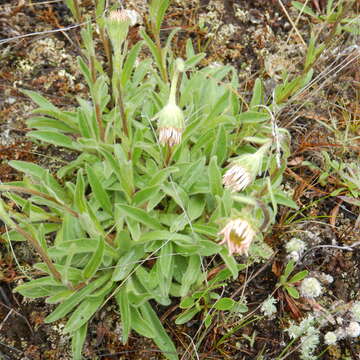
{"points": [[171, 120], [238, 235], [171, 124], [117, 25], [244, 169]]}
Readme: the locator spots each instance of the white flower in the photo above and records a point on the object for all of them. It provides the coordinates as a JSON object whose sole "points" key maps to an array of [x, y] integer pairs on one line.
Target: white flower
{"points": [[309, 342], [330, 338], [355, 311], [268, 307], [353, 330], [310, 287], [295, 247], [238, 235]]}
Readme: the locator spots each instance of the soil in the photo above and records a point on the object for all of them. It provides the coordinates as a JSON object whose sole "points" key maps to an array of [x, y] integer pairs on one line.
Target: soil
{"points": [[257, 38]]}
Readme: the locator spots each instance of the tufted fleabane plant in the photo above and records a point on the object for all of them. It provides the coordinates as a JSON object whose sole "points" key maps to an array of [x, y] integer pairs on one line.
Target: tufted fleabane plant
{"points": [[237, 235], [244, 169], [171, 120]]}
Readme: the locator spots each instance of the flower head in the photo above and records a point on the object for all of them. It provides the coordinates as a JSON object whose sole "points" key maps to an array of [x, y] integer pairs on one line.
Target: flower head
{"points": [[119, 16], [244, 169], [171, 125], [310, 287], [330, 338], [353, 330], [355, 311], [295, 247], [238, 235], [268, 307]]}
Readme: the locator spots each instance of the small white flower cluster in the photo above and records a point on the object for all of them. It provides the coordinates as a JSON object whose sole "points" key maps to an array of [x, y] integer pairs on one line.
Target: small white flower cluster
{"points": [[268, 307], [310, 287], [330, 338], [295, 248], [355, 311], [351, 330], [309, 337]]}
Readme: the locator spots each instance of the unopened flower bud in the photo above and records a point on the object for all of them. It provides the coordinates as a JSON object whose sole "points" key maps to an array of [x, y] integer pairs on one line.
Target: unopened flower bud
{"points": [[238, 235], [171, 124], [171, 120], [117, 25], [244, 169]]}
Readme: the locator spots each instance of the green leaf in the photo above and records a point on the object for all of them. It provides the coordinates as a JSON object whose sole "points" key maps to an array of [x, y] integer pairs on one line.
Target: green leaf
{"points": [[82, 314], [45, 123], [145, 195], [75, 299], [283, 199], [292, 292], [77, 342], [54, 138], [139, 215], [140, 325], [157, 11], [187, 315], [43, 176], [123, 302], [161, 338], [221, 145], [79, 196], [304, 9], [252, 117], [60, 296], [230, 262], [299, 276], [191, 175], [94, 263], [129, 63], [258, 95], [127, 262], [99, 192], [191, 275], [186, 303], [208, 320], [44, 286], [214, 175], [290, 266], [166, 260], [194, 60], [224, 304], [153, 49]]}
